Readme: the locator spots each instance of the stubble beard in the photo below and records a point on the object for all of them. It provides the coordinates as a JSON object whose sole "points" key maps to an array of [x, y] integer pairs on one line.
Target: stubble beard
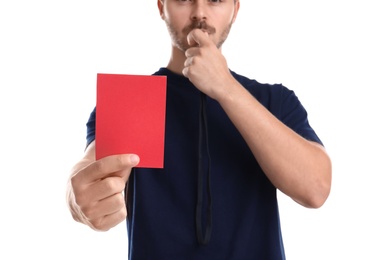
{"points": [[179, 40]]}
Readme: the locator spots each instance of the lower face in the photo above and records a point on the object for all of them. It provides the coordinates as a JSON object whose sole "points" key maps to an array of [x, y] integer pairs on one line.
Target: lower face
{"points": [[179, 31]]}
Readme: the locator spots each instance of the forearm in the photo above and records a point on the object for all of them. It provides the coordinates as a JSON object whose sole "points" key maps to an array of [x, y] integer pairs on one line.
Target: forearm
{"points": [[297, 167]]}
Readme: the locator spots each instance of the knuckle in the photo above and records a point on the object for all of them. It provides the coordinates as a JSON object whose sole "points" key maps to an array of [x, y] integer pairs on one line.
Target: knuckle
{"points": [[112, 185], [99, 224], [121, 161], [98, 166], [88, 212], [122, 214], [80, 199], [108, 184], [118, 201]]}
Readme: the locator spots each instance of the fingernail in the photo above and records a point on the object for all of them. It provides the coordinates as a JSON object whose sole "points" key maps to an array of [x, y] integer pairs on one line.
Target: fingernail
{"points": [[134, 159]]}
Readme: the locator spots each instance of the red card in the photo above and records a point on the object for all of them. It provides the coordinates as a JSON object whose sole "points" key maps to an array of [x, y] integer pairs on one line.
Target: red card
{"points": [[130, 117]]}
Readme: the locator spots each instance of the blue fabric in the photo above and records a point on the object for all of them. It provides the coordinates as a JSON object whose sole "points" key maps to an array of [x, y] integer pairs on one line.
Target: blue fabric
{"points": [[245, 213]]}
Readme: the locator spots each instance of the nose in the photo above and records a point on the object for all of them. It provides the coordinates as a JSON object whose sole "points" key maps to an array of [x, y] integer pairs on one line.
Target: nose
{"points": [[199, 11]]}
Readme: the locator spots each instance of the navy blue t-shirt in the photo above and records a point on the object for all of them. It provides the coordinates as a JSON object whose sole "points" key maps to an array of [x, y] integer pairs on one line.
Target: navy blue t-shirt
{"points": [[162, 202]]}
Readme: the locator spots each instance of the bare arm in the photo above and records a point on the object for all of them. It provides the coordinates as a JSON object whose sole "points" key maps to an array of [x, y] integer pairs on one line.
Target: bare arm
{"points": [[299, 168], [94, 192]]}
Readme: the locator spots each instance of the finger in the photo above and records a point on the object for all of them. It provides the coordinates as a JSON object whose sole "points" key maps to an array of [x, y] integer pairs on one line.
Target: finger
{"points": [[106, 166], [188, 61], [185, 72], [88, 196], [105, 188], [109, 221], [197, 37], [104, 207], [191, 52]]}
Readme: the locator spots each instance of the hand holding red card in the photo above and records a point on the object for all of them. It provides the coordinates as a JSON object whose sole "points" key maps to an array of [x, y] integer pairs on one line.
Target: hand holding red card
{"points": [[130, 117]]}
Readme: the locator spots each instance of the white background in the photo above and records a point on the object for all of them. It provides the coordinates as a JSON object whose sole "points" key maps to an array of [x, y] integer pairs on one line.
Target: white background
{"points": [[333, 54]]}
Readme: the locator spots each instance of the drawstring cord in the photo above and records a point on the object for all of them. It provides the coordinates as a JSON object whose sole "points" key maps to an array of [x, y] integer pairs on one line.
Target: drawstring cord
{"points": [[203, 129], [203, 240]]}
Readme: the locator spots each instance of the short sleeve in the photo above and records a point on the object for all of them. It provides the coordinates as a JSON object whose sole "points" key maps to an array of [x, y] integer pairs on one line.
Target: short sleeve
{"points": [[91, 127], [295, 116]]}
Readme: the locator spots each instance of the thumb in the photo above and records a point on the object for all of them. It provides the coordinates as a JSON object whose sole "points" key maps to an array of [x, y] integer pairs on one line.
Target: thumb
{"points": [[134, 160], [125, 171], [197, 37]]}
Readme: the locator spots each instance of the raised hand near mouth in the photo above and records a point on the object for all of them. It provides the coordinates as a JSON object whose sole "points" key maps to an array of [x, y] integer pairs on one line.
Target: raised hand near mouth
{"points": [[205, 65]]}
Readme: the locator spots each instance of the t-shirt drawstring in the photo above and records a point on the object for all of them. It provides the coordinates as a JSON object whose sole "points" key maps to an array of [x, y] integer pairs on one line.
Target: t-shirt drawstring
{"points": [[203, 129]]}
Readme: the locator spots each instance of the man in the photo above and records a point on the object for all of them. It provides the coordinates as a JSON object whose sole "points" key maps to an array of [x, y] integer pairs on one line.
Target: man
{"points": [[230, 144]]}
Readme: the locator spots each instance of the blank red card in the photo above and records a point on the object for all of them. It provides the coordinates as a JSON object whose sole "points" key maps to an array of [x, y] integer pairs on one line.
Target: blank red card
{"points": [[130, 117]]}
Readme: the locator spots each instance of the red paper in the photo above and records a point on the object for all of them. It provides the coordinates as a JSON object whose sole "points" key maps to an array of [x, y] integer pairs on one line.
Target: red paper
{"points": [[130, 117]]}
